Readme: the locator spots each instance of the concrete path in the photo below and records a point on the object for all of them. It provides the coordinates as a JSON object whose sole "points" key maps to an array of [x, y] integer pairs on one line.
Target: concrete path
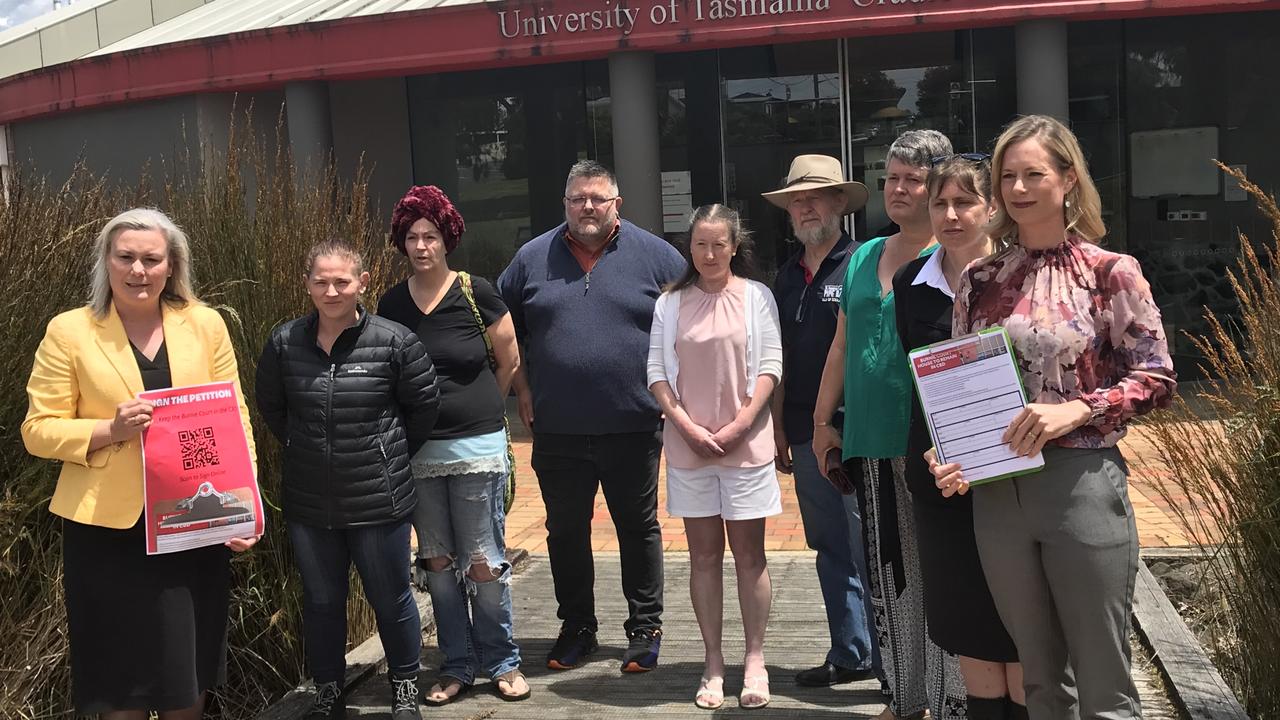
{"points": [[1157, 525]]}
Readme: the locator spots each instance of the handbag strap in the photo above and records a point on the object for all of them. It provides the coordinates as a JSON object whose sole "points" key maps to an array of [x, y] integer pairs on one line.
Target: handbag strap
{"points": [[464, 280]]}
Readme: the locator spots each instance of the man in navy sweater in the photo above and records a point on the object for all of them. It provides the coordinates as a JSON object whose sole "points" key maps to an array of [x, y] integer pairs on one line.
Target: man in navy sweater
{"points": [[582, 297]]}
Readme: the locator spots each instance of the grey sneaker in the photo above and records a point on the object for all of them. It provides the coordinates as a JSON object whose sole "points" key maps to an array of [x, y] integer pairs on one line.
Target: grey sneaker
{"points": [[404, 705], [328, 703]]}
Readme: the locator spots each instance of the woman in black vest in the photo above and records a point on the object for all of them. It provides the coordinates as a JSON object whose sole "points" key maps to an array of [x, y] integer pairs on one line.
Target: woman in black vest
{"points": [[351, 396], [962, 617]]}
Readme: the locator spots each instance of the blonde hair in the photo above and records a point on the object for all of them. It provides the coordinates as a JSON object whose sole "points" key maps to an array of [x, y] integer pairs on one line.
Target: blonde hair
{"points": [[178, 288], [1082, 211], [335, 247]]}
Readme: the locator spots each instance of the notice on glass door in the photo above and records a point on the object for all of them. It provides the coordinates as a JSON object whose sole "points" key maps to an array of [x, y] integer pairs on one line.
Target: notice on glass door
{"points": [[677, 201]]}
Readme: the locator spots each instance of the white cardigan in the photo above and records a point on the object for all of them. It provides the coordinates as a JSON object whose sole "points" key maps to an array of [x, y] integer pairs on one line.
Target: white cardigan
{"points": [[764, 340]]}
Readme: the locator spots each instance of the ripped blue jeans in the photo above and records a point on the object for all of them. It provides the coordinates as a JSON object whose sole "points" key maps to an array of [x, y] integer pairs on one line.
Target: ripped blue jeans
{"points": [[461, 517]]}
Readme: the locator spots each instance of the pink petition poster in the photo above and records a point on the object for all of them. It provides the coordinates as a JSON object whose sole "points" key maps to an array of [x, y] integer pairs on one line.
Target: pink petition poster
{"points": [[198, 482]]}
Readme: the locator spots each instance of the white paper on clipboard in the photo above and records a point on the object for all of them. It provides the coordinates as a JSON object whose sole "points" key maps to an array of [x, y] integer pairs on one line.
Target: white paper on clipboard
{"points": [[970, 390]]}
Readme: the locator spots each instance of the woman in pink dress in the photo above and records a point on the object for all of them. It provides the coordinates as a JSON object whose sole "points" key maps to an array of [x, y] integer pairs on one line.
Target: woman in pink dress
{"points": [[715, 355]]}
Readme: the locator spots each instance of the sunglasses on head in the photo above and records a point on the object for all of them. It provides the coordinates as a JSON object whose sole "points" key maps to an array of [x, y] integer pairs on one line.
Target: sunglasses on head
{"points": [[971, 157]]}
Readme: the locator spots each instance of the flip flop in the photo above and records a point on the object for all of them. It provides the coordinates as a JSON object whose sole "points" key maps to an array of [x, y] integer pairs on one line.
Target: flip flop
{"points": [[755, 692], [444, 682], [710, 694], [510, 679]]}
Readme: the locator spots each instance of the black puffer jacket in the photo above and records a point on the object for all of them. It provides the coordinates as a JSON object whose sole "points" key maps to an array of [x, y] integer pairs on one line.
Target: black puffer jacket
{"points": [[349, 421]]}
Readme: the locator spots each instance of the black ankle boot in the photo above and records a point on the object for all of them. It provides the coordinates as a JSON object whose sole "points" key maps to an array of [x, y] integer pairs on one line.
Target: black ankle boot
{"points": [[987, 708], [1014, 711]]}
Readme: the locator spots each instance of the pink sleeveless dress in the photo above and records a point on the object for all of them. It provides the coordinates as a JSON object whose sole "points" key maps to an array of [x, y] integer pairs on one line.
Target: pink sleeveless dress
{"points": [[711, 343]]}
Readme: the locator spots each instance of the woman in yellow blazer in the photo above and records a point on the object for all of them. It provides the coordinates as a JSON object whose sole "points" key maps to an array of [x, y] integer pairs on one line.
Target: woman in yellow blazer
{"points": [[147, 632]]}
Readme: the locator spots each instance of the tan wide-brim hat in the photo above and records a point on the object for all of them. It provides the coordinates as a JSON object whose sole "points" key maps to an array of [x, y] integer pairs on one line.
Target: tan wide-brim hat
{"points": [[810, 172]]}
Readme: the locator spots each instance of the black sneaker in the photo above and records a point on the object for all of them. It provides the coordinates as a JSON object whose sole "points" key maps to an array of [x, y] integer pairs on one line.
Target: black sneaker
{"points": [[642, 651], [328, 703], [404, 704], [571, 647]]}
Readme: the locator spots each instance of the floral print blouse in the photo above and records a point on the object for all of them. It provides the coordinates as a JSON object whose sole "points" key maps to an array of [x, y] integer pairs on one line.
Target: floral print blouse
{"points": [[1083, 325]]}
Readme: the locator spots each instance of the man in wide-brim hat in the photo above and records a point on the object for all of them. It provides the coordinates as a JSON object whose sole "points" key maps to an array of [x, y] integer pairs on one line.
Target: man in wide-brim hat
{"points": [[808, 287], [813, 172]]}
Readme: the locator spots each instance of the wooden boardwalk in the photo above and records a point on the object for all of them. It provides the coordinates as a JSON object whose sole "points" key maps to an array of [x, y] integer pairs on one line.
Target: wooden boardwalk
{"points": [[797, 638]]}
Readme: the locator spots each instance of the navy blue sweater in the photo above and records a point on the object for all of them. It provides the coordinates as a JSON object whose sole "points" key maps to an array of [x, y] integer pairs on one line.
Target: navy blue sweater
{"points": [[586, 336]]}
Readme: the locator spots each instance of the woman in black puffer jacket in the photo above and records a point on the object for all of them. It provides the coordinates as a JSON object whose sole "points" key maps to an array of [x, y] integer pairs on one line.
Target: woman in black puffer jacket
{"points": [[352, 397]]}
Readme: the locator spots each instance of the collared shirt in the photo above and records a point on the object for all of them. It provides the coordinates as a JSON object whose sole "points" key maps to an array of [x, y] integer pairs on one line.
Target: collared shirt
{"points": [[587, 257], [931, 274], [808, 304], [586, 335]]}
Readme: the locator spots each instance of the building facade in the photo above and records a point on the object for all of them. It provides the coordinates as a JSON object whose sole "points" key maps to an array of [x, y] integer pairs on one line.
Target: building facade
{"points": [[691, 101]]}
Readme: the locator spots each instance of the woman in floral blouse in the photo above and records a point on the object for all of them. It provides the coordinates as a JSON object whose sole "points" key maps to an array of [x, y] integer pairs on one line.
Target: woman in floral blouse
{"points": [[1059, 547]]}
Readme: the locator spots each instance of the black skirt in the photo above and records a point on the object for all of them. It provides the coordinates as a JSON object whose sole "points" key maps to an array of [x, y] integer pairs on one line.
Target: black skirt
{"points": [[961, 615], [146, 632]]}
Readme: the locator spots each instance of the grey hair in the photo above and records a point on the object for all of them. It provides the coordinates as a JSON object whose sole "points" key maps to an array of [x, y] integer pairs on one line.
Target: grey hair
{"points": [[591, 169], [918, 148], [178, 289]]}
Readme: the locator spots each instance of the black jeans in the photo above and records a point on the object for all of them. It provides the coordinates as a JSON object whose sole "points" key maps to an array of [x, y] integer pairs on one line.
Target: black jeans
{"points": [[570, 468], [380, 554]]}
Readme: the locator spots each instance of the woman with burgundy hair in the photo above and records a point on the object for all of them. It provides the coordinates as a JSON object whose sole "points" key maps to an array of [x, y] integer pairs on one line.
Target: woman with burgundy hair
{"points": [[461, 472]]}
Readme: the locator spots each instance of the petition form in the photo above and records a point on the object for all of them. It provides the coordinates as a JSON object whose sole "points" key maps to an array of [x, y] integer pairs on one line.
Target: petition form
{"points": [[970, 390]]}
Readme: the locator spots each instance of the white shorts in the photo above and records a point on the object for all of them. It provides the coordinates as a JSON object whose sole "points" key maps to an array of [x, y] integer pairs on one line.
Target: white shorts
{"points": [[733, 493]]}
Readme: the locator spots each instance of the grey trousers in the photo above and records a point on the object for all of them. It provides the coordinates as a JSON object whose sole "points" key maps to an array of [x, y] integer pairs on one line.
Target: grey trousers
{"points": [[1059, 549]]}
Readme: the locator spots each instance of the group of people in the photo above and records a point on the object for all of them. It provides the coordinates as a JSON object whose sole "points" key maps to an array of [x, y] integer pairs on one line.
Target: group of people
{"points": [[1008, 601]]}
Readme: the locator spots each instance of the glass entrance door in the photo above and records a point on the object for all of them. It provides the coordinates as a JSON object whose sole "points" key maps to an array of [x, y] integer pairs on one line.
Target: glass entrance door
{"points": [[778, 101], [959, 83]]}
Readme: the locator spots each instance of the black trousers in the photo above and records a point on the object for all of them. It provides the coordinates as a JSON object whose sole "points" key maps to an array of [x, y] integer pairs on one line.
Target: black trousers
{"points": [[570, 468]]}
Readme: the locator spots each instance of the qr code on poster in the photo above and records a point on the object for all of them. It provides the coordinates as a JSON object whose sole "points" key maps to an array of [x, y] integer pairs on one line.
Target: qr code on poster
{"points": [[199, 449]]}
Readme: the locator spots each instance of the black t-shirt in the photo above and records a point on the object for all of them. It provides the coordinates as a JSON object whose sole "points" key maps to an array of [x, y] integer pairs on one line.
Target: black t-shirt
{"points": [[469, 400]]}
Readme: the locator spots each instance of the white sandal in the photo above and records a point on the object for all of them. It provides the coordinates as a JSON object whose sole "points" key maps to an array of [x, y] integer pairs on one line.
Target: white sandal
{"points": [[710, 693], [751, 689]]}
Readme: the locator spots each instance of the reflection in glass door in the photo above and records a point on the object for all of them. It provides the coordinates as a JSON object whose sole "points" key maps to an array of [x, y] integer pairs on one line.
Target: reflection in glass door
{"points": [[499, 142], [777, 102], [959, 83], [493, 181]]}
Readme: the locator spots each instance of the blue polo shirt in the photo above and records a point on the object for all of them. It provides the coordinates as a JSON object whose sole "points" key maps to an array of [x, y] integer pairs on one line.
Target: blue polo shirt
{"points": [[586, 334], [808, 311]]}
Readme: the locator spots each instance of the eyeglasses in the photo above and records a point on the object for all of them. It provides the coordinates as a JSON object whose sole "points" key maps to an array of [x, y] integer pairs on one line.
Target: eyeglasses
{"points": [[580, 201], [971, 157]]}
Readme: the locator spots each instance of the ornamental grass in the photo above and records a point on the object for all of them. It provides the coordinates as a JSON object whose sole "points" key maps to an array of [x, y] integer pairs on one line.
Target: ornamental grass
{"points": [[250, 220], [1222, 445]]}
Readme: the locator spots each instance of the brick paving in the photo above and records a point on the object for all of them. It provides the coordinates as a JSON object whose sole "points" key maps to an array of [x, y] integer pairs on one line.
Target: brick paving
{"points": [[1157, 524]]}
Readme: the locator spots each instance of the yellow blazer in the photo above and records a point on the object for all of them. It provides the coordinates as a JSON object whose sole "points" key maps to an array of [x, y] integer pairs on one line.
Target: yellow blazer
{"points": [[83, 369]]}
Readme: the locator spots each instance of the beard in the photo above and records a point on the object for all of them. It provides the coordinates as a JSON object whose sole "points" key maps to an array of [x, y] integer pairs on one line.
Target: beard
{"points": [[592, 227], [829, 230]]}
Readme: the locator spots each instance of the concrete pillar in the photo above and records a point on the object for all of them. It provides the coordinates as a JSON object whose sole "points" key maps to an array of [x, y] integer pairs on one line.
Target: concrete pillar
{"points": [[310, 126], [1041, 55], [371, 125], [634, 105]]}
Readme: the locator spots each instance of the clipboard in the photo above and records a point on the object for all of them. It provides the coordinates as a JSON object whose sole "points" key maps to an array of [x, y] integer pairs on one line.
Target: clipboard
{"points": [[970, 389]]}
